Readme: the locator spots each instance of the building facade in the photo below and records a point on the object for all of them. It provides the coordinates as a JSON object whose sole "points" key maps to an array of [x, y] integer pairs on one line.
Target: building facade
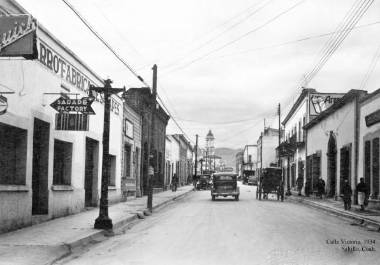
{"points": [[333, 145], [368, 162], [308, 105], [131, 155], [266, 148], [50, 161], [141, 100], [239, 163]]}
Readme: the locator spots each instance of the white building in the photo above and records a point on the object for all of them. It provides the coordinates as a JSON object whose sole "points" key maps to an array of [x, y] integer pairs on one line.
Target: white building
{"points": [[333, 146], [47, 172], [266, 148], [308, 105]]}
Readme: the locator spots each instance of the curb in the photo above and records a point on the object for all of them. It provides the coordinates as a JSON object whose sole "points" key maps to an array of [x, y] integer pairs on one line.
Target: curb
{"points": [[97, 235], [363, 221], [181, 196]]}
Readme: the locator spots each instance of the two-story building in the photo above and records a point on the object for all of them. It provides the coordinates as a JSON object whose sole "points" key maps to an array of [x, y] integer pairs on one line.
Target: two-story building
{"points": [[308, 105]]}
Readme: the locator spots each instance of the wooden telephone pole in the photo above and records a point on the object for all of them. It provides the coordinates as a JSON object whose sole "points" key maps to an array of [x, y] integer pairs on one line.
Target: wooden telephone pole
{"points": [[103, 221], [151, 146]]}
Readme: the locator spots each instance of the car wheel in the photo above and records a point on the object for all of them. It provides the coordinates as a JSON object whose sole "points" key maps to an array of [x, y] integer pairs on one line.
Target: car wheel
{"points": [[236, 197]]}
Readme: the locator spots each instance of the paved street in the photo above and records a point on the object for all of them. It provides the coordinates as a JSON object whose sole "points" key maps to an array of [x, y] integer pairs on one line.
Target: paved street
{"points": [[197, 230]]}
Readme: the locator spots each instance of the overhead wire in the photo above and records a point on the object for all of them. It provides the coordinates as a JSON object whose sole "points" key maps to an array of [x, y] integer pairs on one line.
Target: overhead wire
{"points": [[238, 38], [226, 22], [353, 16], [202, 45], [292, 41], [87, 24], [370, 70]]}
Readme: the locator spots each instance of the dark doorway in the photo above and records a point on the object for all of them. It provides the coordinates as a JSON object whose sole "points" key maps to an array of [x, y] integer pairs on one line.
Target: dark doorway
{"points": [[91, 173], [331, 166], [40, 197], [345, 165]]}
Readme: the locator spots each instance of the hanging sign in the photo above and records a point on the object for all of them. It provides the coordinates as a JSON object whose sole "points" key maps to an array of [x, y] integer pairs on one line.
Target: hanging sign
{"points": [[71, 122], [82, 105], [3, 105]]}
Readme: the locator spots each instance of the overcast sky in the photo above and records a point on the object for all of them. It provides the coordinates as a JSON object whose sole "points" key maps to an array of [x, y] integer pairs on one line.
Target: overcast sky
{"points": [[220, 65]]}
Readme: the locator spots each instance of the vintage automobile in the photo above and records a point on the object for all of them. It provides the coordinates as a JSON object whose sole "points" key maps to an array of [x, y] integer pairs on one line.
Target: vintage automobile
{"points": [[252, 180], [270, 182], [203, 182], [224, 184]]}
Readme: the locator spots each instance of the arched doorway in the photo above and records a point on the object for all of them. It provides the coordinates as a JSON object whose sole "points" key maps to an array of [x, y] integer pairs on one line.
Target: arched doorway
{"points": [[331, 165]]}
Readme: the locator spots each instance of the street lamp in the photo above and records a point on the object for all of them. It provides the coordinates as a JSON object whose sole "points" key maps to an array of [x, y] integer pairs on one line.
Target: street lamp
{"points": [[103, 221]]}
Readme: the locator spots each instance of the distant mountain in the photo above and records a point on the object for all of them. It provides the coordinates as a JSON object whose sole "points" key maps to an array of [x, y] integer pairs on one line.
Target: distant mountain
{"points": [[227, 155]]}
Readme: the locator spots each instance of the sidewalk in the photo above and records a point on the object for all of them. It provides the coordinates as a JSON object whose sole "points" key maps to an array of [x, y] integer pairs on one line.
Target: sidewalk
{"points": [[49, 241], [369, 218]]}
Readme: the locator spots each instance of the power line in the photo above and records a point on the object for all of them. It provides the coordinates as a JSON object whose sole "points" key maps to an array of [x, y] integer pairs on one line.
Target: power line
{"points": [[121, 60], [292, 41], [353, 16], [220, 34], [370, 70], [239, 38], [104, 42]]}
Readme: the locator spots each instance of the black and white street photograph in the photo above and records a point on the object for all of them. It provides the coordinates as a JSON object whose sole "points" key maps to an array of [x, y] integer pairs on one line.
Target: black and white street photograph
{"points": [[189, 132]]}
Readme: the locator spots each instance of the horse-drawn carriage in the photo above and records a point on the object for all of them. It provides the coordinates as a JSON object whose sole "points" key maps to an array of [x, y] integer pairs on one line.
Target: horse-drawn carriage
{"points": [[270, 182]]}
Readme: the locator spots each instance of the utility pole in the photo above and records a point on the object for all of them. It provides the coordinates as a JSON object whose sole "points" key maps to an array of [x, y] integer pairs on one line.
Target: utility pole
{"points": [[196, 155], [103, 221], [279, 133], [150, 143]]}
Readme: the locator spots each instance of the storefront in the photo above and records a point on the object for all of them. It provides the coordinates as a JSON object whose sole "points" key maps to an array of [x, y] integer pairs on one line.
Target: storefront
{"points": [[368, 167], [332, 146], [52, 161], [130, 181]]}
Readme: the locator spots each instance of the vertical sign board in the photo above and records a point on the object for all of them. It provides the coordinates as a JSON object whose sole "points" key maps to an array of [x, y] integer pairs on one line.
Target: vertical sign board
{"points": [[18, 36], [128, 128], [319, 102]]}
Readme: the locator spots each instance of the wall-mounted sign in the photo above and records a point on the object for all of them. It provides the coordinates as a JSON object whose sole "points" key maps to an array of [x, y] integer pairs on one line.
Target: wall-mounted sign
{"points": [[128, 128], [3, 105], [372, 118], [82, 105], [321, 101], [60, 66], [18, 36], [71, 122]]}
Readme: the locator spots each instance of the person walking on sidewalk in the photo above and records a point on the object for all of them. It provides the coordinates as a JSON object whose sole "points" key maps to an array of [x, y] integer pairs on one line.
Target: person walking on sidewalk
{"points": [[362, 191], [347, 192], [174, 182], [299, 185], [321, 187]]}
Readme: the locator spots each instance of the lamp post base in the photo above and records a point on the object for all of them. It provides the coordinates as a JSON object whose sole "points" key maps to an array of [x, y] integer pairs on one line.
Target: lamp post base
{"points": [[103, 222]]}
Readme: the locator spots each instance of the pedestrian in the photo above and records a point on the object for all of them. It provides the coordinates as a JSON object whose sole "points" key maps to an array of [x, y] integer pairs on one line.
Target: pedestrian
{"points": [[307, 189], [195, 180], [321, 187], [299, 185], [362, 191], [347, 192], [174, 182]]}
